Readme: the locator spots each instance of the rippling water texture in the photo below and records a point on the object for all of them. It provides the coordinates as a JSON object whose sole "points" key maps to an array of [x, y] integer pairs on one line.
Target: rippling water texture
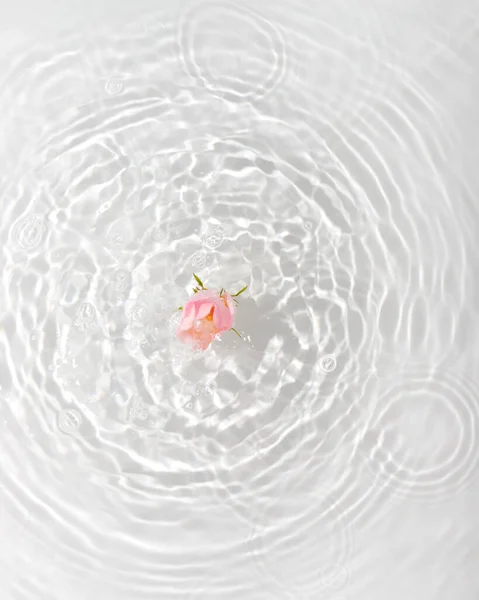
{"points": [[325, 155]]}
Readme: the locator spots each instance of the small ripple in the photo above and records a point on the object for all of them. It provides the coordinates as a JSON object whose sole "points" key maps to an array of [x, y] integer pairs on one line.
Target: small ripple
{"points": [[212, 45], [303, 544], [421, 436], [338, 57]]}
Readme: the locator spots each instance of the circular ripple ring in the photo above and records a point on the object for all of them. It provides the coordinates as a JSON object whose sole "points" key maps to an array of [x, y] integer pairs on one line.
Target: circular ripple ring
{"points": [[228, 69]]}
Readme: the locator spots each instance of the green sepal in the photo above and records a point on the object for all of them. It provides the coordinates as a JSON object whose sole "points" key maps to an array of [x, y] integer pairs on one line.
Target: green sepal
{"points": [[199, 281], [240, 292]]}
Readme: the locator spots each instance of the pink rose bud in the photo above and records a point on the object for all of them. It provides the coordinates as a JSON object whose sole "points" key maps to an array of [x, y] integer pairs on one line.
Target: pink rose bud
{"points": [[206, 315]]}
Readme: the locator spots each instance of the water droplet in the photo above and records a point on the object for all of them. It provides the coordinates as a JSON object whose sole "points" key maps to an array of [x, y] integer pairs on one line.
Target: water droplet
{"points": [[86, 311], [138, 313], [122, 281], [214, 240], [328, 363], [206, 389], [85, 317], [29, 232], [137, 409], [334, 577], [69, 420], [198, 259], [114, 86]]}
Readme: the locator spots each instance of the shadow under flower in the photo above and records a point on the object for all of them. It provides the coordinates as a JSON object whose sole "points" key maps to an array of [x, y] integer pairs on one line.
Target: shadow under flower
{"points": [[265, 326]]}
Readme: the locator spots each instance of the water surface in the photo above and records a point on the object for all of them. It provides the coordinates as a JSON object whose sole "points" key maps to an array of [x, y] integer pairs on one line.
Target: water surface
{"points": [[324, 154]]}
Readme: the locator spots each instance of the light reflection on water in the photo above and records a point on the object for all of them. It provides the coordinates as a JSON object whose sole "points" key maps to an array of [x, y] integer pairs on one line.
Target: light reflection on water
{"points": [[321, 155]]}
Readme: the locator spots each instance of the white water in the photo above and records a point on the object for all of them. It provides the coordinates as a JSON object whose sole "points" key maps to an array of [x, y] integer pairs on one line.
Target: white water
{"points": [[324, 154]]}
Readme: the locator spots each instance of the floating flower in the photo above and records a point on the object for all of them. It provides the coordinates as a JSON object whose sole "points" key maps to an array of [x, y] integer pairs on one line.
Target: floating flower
{"points": [[207, 314]]}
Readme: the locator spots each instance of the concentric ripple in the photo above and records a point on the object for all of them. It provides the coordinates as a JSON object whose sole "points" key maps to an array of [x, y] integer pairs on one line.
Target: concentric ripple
{"points": [[284, 147], [216, 41], [304, 545], [422, 436]]}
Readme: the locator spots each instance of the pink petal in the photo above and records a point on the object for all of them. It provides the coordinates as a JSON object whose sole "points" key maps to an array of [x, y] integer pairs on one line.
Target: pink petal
{"points": [[188, 316], [223, 315], [204, 310], [205, 295]]}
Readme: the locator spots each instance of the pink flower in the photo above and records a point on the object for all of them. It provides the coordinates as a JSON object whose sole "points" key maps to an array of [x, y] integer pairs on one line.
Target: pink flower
{"points": [[206, 315]]}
